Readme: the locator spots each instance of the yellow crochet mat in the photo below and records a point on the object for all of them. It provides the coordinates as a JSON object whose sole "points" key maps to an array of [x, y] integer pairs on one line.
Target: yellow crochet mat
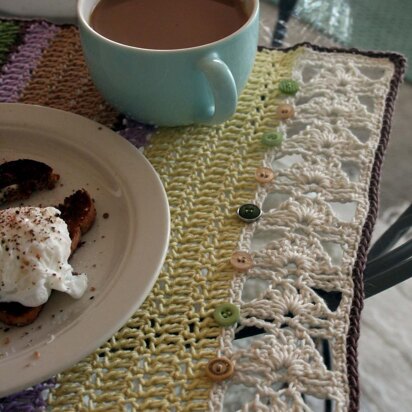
{"points": [[157, 361]]}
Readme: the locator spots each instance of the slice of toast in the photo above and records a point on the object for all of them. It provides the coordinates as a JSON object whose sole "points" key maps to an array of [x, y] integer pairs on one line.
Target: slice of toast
{"points": [[20, 178], [16, 314], [79, 213]]}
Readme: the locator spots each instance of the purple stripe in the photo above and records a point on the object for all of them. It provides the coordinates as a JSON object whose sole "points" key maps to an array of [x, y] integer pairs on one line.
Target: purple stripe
{"points": [[136, 133], [30, 400], [17, 71], [14, 77]]}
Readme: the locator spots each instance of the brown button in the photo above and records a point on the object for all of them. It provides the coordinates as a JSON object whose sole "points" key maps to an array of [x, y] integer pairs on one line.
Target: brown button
{"points": [[285, 111], [219, 369], [241, 261], [264, 175]]}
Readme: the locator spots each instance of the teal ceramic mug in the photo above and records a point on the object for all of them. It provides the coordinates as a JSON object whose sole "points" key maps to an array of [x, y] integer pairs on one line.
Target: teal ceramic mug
{"points": [[197, 85]]}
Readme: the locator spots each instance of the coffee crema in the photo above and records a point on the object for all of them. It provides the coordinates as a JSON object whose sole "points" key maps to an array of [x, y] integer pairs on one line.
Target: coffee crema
{"points": [[167, 24]]}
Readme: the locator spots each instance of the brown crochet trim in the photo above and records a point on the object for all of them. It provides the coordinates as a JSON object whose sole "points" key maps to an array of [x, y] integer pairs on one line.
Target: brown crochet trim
{"points": [[357, 303], [399, 62]]}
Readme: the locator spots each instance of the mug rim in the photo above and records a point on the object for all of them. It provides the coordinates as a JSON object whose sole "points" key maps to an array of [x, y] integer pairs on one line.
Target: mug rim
{"points": [[83, 20]]}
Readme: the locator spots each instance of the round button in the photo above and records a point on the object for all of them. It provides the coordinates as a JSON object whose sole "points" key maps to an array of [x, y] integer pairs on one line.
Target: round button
{"points": [[226, 314], [249, 213], [288, 86], [272, 139], [241, 261], [285, 111], [264, 175], [219, 369]]}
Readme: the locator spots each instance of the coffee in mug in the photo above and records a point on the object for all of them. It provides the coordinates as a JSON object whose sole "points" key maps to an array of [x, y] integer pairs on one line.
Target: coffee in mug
{"points": [[176, 62], [167, 24]]}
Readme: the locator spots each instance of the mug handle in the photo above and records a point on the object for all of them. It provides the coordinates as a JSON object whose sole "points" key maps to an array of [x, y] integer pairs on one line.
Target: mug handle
{"points": [[223, 88]]}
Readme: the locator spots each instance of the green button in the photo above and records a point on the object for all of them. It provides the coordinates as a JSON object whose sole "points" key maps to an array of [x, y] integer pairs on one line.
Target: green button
{"points": [[288, 86], [249, 212], [226, 314], [272, 139]]}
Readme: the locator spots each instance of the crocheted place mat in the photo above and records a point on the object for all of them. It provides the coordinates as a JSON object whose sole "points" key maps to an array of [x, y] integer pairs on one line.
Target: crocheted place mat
{"points": [[318, 194]]}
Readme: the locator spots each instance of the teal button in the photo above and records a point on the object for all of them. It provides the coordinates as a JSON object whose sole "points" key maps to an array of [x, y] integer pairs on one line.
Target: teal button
{"points": [[226, 314], [272, 138], [249, 212], [288, 86]]}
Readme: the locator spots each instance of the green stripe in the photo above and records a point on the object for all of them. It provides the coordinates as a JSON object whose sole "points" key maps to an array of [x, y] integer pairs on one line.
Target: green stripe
{"points": [[9, 36]]}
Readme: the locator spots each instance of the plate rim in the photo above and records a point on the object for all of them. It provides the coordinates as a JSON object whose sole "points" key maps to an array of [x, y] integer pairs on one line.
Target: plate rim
{"points": [[54, 363]]}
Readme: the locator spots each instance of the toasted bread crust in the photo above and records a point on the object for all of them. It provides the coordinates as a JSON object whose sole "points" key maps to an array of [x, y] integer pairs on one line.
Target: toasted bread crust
{"points": [[79, 213], [20, 178], [15, 314]]}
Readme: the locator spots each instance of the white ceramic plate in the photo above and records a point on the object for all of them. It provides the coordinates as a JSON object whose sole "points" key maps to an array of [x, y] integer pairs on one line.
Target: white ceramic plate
{"points": [[122, 256]]}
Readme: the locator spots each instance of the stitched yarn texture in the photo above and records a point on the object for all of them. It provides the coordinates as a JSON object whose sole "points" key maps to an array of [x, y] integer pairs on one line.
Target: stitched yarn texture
{"points": [[308, 247], [305, 246], [323, 165]]}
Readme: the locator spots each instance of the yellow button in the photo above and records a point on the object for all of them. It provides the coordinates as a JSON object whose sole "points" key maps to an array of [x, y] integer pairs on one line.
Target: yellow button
{"points": [[219, 369], [285, 111], [264, 175], [241, 261]]}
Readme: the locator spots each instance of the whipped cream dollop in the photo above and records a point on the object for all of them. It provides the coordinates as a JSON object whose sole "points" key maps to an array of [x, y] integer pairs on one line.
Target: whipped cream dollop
{"points": [[34, 252]]}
